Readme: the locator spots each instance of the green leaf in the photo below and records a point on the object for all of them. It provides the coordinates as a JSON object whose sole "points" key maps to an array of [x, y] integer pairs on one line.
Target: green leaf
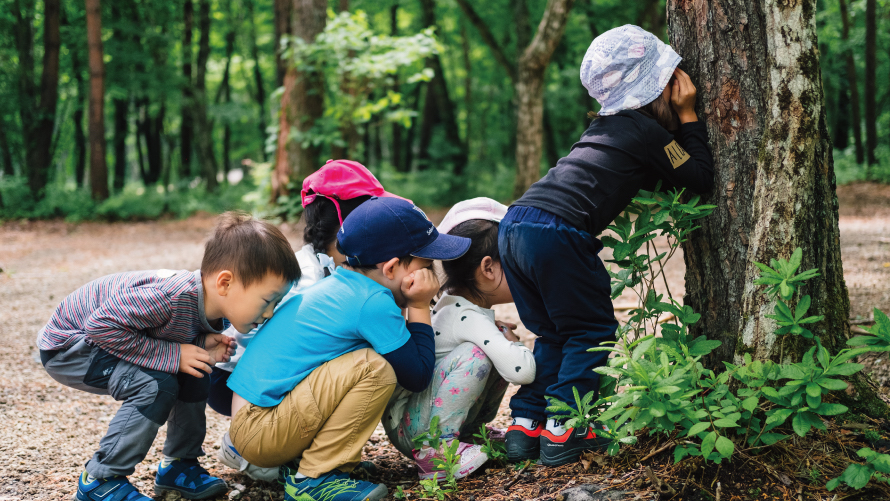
{"points": [[750, 403], [802, 307], [725, 446], [771, 438], [814, 390], [657, 409], [779, 416], [832, 484], [831, 384], [800, 424], [707, 444], [857, 475], [667, 389], [845, 369], [726, 423], [698, 428], [831, 409]]}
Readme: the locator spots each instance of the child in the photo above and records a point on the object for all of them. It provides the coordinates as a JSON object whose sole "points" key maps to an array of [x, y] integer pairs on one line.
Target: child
{"points": [[466, 393], [148, 338], [314, 383], [329, 195], [548, 238]]}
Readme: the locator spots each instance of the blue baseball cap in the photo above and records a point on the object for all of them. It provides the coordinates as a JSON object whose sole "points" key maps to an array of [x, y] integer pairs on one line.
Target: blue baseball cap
{"points": [[383, 228]]}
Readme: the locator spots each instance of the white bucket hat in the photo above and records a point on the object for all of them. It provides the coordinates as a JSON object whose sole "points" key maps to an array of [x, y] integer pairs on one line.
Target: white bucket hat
{"points": [[474, 208], [626, 68]]}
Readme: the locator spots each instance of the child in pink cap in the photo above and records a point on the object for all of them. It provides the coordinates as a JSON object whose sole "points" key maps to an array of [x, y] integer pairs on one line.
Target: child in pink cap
{"points": [[476, 357], [328, 195]]}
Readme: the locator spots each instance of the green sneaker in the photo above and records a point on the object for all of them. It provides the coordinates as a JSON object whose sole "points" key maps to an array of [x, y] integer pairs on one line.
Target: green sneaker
{"points": [[364, 471], [333, 486]]}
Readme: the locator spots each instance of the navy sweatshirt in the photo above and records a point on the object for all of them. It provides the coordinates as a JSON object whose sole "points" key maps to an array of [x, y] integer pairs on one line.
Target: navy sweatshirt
{"points": [[616, 157]]}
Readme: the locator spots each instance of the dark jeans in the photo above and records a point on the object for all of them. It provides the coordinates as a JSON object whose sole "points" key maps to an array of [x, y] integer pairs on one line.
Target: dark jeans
{"points": [[220, 398], [562, 292]]}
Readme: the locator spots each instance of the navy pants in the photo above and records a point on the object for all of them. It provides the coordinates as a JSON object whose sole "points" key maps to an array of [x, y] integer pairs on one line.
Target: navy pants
{"points": [[220, 398], [563, 294]]}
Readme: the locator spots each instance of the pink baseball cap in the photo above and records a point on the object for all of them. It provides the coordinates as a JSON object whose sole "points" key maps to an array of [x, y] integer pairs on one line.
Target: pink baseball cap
{"points": [[342, 180], [474, 208]]}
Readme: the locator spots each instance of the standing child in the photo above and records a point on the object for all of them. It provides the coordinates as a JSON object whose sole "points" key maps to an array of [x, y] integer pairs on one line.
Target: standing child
{"points": [[475, 359], [647, 131], [329, 195], [148, 338], [314, 383]]}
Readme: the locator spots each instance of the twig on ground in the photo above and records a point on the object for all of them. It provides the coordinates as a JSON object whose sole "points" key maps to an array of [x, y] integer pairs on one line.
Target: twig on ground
{"points": [[518, 474], [718, 492], [658, 451], [661, 486]]}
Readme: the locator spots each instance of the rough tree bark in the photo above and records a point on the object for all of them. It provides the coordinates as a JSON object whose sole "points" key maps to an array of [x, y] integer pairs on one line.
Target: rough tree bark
{"points": [[98, 166], [871, 108], [528, 81], [80, 140], [283, 28], [852, 84], [397, 157], [756, 65], [301, 103], [257, 74], [121, 126]]}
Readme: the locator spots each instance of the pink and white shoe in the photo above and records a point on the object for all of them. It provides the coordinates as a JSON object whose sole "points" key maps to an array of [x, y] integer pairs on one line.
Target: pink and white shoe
{"points": [[496, 434], [471, 458]]}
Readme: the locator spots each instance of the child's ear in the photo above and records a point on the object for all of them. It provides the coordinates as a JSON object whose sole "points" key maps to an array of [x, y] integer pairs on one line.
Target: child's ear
{"points": [[487, 266], [224, 281], [389, 268]]}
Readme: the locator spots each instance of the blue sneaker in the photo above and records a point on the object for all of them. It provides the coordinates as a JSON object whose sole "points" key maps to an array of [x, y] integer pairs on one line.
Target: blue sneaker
{"points": [[188, 478], [333, 486], [107, 489]]}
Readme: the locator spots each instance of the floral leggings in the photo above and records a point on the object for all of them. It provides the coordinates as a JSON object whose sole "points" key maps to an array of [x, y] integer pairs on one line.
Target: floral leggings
{"points": [[465, 393]]}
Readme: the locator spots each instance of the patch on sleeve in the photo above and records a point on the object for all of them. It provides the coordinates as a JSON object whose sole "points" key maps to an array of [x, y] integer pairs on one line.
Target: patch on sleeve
{"points": [[676, 154]]}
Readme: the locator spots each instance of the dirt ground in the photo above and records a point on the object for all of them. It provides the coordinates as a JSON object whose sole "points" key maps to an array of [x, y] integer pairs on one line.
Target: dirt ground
{"points": [[48, 431]]}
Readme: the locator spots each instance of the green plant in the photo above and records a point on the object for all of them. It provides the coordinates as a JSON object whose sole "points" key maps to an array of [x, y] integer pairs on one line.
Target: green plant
{"points": [[877, 466], [496, 451], [400, 493], [448, 460], [430, 488], [430, 437], [872, 435], [879, 340]]}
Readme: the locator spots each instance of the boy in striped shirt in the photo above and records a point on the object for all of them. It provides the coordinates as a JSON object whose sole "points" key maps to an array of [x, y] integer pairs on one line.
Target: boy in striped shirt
{"points": [[148, 338]]}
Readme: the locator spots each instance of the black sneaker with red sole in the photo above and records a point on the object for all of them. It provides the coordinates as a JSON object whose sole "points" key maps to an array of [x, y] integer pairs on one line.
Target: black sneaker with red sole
{"points": [[557, 450], [522, 443]]}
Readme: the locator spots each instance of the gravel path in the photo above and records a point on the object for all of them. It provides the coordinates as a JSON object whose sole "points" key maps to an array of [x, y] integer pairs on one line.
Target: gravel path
{"points": [[48, 431]]}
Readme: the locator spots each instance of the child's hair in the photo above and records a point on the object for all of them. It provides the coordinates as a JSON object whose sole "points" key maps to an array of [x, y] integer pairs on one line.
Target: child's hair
{"points": [[250, 249], [322, 223], [403, 260], [657, 110], [460, 273]]}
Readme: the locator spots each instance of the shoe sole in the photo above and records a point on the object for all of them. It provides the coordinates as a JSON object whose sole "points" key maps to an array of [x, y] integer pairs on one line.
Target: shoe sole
{"points": [[378, 493], [472, 466], [515, 456], [209, 493]]}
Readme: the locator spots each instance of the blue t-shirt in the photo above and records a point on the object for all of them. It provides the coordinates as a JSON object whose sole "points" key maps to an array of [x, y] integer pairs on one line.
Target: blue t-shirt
{"points": [[340, 314]]}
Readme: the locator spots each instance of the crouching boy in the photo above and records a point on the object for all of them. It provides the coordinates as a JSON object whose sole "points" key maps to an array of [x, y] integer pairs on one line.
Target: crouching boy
{"points": [[149, 338], [317, 377]]}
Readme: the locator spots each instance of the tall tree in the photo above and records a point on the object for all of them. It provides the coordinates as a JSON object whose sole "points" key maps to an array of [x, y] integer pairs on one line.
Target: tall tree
{"points": [[438, 108], [774, 182], [283, 28], [80, 140], [852, 84], [186, 127], [871, 108], [257, 73], [301, 102], [98, 166], [121, 128], [203, 125], [224, 91], [397, 154], [37, 104], [528, 81]]}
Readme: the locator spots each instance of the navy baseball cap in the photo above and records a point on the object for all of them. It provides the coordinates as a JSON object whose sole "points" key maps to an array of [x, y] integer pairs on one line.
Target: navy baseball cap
{"points": [[383, 228]]}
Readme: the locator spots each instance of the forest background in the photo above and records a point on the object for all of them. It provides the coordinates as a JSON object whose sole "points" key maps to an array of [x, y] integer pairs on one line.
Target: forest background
{"points": [[187, 98]]}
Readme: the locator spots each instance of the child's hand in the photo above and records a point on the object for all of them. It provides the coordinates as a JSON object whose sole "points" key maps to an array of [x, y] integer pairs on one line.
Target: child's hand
{"points": [[219, 346], [506, 329], [683, 96], [420, 287], [193, 360]]}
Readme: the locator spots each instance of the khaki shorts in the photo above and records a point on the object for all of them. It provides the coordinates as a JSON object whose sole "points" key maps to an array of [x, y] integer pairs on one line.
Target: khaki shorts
{"points": [[326, 419]]}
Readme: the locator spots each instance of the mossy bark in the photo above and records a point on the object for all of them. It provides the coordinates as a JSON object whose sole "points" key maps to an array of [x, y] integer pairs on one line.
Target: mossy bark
{"points": [[756, 65]]}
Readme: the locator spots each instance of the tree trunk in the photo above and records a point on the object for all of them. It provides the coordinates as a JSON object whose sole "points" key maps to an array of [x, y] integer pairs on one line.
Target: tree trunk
{"points": [[80, 140], [852, 85], [871, 111], [301, 104], [774, 184], [202, 123], [154, 135], [283, 28], [344, 5], [98, 166], [468, 85], [37, 105], [257, 76], [397, 155], [186, 127], [224, 94], [530, 93], [5, 151], [120, 143], [652, 17], [841, 129]]}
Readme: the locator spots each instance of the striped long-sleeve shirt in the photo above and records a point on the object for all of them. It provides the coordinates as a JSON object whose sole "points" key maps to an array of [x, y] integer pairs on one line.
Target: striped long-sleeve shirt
{"points": [[141, 317]]}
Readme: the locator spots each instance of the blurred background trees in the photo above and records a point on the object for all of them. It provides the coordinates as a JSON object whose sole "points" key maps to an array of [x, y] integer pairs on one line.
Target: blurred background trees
{"points": [[136, 108]]}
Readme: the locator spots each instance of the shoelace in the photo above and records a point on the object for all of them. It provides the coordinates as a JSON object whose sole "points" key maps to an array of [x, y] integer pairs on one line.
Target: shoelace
{"points": [[334, 488]]}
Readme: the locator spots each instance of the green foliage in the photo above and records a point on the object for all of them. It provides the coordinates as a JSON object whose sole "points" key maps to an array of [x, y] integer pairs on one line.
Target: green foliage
{"points": [[577, 416], [880, 334], [448, 460], [496, 451], [857, 476]]}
